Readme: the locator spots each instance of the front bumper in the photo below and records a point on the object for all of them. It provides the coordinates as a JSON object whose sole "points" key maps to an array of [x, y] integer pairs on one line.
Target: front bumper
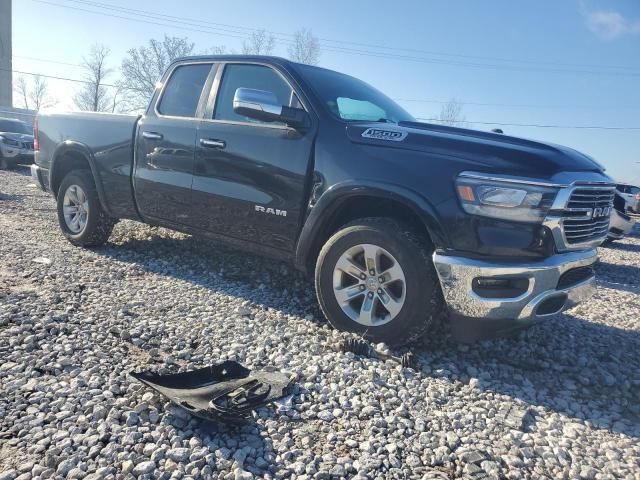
{"points": [[17, 154], [620, 225], [541, 297]]}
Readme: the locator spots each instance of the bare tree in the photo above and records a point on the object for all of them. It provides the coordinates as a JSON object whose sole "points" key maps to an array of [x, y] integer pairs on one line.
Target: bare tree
{"points": [[144, 66], [22, 89], [94, 95], [40, 97], [451, 114], [260, 42], [305, 47], [217, 50], [35, 94]]}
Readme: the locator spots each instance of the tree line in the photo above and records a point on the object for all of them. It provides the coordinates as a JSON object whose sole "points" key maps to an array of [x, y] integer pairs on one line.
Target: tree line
{"points": [[142, 67]]}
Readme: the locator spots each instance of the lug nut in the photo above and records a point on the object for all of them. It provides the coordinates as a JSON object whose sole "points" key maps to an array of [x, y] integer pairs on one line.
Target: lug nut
{"points": [[381, 279], [372, 272], [370, 295], [361, 287], [362, 276], [380, 290]]}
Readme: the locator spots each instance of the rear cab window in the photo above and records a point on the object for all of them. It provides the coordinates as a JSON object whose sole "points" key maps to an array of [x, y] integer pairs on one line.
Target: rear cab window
{"points": [[181, 95]]}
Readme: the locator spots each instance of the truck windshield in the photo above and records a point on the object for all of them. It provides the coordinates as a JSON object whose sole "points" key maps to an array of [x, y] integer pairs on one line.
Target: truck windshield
{"points": [[350, 99], [14, 126]]}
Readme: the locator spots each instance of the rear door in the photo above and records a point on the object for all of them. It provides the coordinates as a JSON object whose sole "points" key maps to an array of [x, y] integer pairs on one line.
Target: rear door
{"points": [[165, 147], [250, 176]]}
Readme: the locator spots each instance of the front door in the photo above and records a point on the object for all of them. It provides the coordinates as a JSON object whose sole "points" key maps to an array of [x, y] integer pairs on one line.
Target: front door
{"points": [[250, 176], [165, 147]]}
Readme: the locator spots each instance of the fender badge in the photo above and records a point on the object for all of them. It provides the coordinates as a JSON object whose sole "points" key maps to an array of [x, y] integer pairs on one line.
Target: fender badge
{"points": [[384, 134]]}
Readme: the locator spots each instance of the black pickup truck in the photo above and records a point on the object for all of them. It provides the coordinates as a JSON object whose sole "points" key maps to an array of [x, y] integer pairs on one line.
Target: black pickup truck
{"points": [[399, 220]]}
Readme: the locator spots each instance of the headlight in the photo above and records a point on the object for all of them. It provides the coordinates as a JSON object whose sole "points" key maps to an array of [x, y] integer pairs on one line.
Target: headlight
{"points": [[520, 202], [9, 141]]}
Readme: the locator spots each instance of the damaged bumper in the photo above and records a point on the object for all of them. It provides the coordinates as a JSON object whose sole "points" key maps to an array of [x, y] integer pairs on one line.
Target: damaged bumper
{"points": [[507, 295], [223, 392]]}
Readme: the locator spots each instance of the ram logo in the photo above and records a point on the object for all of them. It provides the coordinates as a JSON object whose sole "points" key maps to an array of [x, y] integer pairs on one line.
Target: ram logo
{"points": [[601, 212], [271, 211]]}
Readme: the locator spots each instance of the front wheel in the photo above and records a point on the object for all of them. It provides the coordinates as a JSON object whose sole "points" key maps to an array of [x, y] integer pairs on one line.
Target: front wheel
{"points": [[375, 277], [82, 219]]}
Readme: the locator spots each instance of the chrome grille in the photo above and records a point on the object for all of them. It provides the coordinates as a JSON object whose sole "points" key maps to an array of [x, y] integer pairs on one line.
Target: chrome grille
{"points": [[579, 223]]}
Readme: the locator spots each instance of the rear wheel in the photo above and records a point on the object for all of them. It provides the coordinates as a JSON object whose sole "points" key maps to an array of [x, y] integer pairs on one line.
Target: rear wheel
{"points": [[82, 219], [376, 277]]}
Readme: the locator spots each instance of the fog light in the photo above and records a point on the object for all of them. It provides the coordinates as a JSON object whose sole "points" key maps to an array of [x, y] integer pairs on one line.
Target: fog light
{"points": [[490, 287]]}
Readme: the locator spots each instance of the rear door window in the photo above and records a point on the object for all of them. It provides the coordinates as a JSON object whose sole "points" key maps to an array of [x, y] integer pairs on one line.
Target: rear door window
{"points": [[182, 93]]}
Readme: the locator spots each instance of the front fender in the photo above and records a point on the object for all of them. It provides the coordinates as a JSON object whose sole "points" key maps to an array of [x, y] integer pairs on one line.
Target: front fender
{"points": [[332, 199], [58, 157]]}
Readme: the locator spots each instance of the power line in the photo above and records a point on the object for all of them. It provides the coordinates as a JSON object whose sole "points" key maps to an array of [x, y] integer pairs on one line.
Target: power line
{"points": [[517, 105], [57, 77], [537, 125], [197, 22], [47, 60], [415, 100], [417, 118], [368, 53]]}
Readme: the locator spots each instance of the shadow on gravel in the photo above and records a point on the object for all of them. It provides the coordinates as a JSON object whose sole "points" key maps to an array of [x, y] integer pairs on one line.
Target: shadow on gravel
{"points": [[8, 197], [551, 365], [623, 274], [625, 247], [580, 369], [23, 170], [211, 265]]}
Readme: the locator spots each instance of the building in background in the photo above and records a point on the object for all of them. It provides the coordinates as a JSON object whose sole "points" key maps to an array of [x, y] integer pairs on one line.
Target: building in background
{"points": [[6, 86]]}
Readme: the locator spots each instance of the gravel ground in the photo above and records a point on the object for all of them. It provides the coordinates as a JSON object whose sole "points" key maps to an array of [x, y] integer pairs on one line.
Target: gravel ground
{"points": [[560, 400]]}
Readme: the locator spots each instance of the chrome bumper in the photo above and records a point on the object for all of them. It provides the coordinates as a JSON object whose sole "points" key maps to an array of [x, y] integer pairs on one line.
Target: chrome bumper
{"points": [[15, 152], [620, 223], [457, 274]]}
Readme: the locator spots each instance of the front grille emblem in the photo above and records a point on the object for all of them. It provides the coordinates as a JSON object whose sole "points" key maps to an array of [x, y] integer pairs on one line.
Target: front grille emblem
{"points": [[600, 212]]}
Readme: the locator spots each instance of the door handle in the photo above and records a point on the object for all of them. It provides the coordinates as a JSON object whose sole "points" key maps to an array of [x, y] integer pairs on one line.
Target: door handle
{"points": [[152, 135], [210, 143]]}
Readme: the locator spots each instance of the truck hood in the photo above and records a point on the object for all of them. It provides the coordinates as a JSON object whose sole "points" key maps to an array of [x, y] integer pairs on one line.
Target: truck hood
{"points": [[491, 152]]}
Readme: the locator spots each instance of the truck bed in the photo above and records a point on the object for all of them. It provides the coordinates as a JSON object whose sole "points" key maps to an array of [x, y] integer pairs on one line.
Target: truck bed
{"points": [[106, 139]]}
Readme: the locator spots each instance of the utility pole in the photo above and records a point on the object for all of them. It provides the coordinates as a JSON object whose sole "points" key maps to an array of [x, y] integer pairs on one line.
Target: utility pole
{"points": [[6, 86]]}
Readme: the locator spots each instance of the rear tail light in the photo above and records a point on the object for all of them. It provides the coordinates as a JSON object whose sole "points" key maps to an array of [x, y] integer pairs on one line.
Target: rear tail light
{"points": [[36, 140]]}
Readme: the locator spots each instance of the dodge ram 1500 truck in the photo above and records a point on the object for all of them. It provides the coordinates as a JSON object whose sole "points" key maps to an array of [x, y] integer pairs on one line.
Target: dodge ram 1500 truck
{"points": [[399, 220]]}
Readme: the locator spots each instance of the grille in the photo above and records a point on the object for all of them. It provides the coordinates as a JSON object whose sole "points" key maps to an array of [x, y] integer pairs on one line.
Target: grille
{"points": [[27, 145], [579, 225]]}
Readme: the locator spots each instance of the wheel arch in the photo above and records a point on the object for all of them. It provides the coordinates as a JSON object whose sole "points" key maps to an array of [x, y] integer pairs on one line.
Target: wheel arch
{"points": [[69, 156], [349, 201]]}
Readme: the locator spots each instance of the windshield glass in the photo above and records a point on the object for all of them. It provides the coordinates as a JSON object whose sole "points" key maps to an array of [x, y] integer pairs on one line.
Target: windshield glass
{"points": [[350, 99], [14, 126]]}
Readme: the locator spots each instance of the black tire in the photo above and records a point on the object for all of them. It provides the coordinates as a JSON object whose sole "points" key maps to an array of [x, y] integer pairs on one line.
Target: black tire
{"points": [[4, 163], [424, 305], [99, 225]]}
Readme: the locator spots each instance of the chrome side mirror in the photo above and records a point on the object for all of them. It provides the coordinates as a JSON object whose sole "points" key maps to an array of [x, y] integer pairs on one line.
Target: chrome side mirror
{"points": [[264, 106]]}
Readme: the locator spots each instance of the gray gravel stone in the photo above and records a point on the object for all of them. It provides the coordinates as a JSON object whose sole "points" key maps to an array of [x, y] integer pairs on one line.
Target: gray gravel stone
{"points": [[560, 400]]}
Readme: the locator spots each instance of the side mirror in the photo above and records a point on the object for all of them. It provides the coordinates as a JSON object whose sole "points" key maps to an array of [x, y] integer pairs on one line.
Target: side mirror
{"points": [[264, 106]]}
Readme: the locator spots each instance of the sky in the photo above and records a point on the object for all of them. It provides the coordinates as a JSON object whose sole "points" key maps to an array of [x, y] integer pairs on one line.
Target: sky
{"points": [[574, 63]]}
